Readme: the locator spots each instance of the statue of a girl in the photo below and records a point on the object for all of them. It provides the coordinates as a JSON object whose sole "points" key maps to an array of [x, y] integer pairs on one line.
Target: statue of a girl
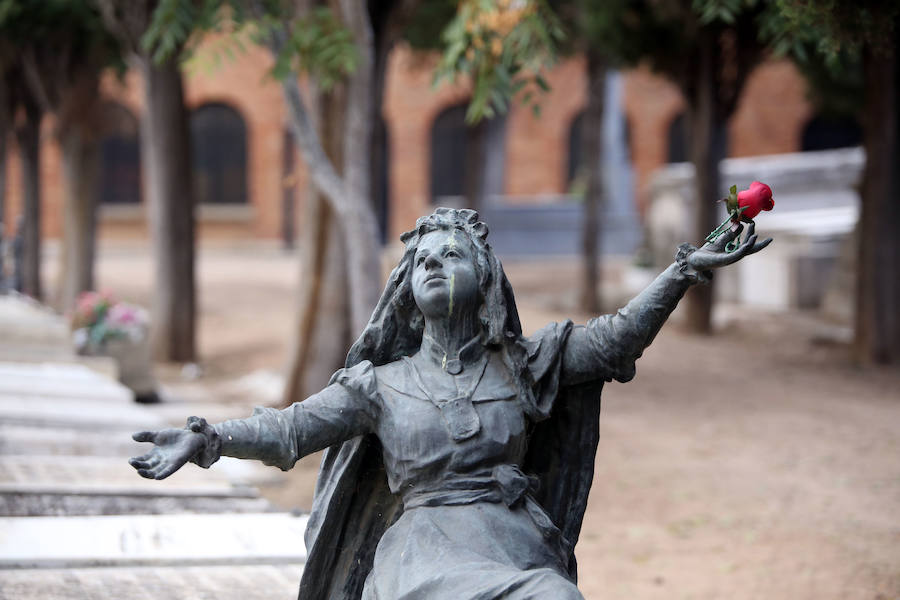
{"points": [[459, 452]]}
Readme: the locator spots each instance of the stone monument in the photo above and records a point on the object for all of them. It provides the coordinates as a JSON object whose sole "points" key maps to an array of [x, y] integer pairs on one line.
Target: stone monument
{"points": [[459, 453]]}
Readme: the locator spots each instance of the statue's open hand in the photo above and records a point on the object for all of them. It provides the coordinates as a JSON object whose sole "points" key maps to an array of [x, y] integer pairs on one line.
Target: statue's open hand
{"points": [[173, 448], [713, 254]]}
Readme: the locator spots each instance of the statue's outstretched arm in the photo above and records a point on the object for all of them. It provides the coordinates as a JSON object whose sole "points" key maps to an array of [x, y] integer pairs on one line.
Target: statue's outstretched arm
{"points": [[275, 437], [608, 346]]}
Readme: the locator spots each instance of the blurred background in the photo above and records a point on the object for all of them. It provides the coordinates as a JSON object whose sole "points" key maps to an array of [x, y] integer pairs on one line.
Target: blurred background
{"points": [[201, 201]]}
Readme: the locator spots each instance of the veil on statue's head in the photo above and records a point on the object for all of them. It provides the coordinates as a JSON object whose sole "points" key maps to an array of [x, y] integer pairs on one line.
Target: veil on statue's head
{"points": [[395, 329]]}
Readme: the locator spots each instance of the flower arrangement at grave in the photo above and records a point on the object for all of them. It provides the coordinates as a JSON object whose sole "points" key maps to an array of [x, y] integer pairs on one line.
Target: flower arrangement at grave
{"points": [[104, 326], [99, 317]]}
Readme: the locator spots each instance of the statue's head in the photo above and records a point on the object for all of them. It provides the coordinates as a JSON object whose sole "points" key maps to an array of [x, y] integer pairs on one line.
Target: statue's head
{"points": [[447, 267]]}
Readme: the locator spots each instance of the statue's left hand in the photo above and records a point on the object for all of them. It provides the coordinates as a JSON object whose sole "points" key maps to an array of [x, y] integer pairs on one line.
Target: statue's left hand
{"points": [[713, 255], [172, 449]]}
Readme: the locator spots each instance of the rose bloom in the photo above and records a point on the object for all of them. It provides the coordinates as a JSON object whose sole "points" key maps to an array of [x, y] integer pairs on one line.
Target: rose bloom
{"points": [[756, 199]]}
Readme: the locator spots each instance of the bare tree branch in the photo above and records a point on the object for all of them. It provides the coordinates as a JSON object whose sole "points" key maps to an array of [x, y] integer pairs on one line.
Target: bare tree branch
{"points": [[128, 26], [321, 169], [348, 195]]}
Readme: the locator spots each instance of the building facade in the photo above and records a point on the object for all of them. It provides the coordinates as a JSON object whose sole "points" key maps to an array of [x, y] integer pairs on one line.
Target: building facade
{"points": [[247, 172]]}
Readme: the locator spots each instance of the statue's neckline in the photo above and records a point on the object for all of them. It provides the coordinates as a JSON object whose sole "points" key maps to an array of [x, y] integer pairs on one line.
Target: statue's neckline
{"points": [[457, 410], [454, 364]]}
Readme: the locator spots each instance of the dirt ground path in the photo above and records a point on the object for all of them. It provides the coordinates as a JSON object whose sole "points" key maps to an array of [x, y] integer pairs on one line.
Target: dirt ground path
{"points": [[755, 464]]}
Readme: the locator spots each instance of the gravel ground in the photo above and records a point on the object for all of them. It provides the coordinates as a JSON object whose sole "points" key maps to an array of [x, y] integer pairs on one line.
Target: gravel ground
{"points": [[755, 464]]}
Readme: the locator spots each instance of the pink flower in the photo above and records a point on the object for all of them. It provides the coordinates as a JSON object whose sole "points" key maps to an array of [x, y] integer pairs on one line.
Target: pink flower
{"points": [[755, 200]]}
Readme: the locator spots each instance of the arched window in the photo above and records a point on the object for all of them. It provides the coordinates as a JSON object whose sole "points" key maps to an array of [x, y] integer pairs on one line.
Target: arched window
{"points": [[466, 161], [219, 152], [120, 157], [573, 168], [680, 140], [824, 133]]}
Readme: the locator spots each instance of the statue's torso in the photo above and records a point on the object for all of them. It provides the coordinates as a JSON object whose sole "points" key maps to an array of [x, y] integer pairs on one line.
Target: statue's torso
{"points": [[419, 450]]}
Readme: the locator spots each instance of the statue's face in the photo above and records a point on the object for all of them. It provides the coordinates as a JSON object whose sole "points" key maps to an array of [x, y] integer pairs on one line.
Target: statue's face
{"points": [[444, 281]]}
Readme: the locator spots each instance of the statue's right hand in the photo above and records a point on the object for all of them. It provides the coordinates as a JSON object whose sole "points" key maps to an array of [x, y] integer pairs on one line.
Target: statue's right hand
{"points": [[173, 448]]}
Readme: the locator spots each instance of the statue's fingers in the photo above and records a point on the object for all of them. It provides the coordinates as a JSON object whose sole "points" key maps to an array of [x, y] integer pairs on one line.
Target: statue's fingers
{"points": [[140, 463], [751, 230], [760, 245], [164, 471], [727, 237], [146, 473], [144, 436], [722, 259], [145, 457], [148, 462], [745, 248]]}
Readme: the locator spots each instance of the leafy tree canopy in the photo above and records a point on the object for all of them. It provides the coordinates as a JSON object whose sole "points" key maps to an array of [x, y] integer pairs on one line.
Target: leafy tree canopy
{"points": [[47, 47], [503, 45], [315, 42]]}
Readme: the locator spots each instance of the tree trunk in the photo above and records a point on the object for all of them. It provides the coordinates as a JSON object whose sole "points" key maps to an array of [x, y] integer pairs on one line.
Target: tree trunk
{"points": [[360, 225], [878, 285], [592, 153], [476, 159], [3, 154], [379, 154], [288, 193], [165, 156], [333, 271], [29, 141], [323, 312], [702, 122], [6, 119], [80, 161]]}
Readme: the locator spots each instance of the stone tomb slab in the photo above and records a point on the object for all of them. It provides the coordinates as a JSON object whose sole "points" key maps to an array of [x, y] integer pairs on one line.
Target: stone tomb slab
{"points": [[59, 380], [34, 439], [97, 415], [208, 582], [87, 475], [22, 504], [156, 540]]}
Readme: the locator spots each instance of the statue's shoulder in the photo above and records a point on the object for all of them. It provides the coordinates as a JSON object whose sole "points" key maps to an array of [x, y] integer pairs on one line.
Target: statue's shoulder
{"points": [[396, 377], [391, 369]]}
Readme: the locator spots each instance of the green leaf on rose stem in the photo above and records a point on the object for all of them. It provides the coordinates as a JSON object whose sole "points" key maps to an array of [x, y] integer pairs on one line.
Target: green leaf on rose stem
{"points": [[732, 201]]}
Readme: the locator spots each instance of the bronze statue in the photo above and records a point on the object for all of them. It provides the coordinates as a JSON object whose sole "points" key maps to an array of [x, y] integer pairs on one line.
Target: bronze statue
{"points": [[459, 453]]}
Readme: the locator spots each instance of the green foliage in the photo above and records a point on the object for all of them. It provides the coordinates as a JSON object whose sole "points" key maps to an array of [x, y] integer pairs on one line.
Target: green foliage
{"points": [[629, 31], [824, 48], [722, 11], [424, 27], [174, 25], [842, 25], [316, 43], [211, 56], [59, 31], [503, 45]]}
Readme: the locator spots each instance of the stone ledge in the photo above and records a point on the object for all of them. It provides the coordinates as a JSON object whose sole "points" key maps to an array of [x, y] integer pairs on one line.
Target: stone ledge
{"points": [[158, 540]]}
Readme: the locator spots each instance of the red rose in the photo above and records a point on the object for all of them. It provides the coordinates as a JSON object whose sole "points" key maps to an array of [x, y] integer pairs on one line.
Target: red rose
{"points": [[757, 199]]}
